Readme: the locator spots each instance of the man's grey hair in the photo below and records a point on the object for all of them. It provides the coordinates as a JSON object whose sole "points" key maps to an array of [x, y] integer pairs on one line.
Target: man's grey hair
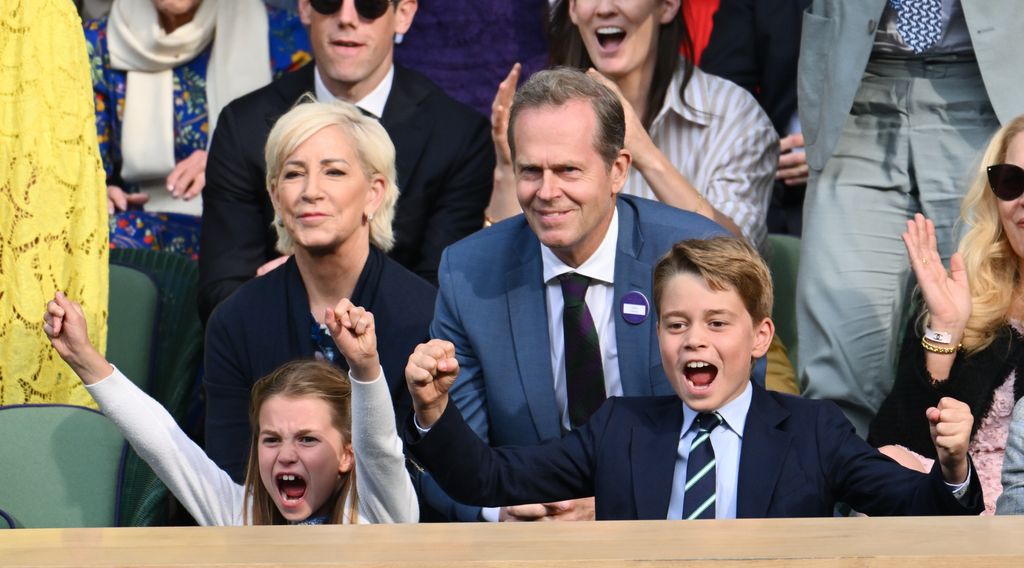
{"points": [[556, 87]]}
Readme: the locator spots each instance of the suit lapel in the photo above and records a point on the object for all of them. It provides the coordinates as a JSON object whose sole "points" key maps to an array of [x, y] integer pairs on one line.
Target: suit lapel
{"points": [[652, 450], [288, 90], [633, 341], [527, 308], [408, 128], [764, 452]]}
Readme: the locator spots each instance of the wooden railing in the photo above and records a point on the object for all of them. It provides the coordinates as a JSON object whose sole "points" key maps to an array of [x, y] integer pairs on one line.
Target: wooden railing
{"points": [[959, 542]]}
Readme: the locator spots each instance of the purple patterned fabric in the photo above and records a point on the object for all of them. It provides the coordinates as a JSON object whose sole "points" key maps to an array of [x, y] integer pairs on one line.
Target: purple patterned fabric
{"points": [[584, 370], [468, 46]]}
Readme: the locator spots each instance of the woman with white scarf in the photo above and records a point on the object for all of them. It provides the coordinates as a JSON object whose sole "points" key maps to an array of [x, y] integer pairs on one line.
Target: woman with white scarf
{"points": [[160, 81]]}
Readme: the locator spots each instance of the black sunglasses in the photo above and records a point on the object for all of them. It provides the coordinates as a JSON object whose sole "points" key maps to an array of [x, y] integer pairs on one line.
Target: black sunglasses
{"points": [[1007, 181], [367, 9]]}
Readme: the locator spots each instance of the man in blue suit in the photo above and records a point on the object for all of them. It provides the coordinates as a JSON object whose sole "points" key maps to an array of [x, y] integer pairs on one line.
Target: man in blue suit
{"points": [[501, 299], [721, 447]]}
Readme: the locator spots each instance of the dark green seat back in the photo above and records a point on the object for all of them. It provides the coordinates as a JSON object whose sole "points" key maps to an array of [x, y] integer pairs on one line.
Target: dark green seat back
{"points": [[131, 322], [176, 359], [784, 263], [59, 466]]}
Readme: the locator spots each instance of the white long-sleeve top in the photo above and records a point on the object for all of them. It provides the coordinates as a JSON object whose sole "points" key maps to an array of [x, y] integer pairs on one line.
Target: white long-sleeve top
{"points": [[386, 493]]}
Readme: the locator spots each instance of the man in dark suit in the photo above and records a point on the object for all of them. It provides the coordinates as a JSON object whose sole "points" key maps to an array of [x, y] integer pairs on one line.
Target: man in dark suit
{"points": [[445, 157], [756, 44], [722, 447], [501, 294]]}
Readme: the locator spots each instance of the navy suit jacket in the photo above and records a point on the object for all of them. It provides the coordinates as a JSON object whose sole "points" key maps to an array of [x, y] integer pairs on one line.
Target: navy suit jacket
{"points": [[756, 44], [799, 457], [443, 154]]}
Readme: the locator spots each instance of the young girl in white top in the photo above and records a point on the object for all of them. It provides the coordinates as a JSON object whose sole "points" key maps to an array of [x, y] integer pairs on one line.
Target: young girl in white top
{"points": [[324, 447]]}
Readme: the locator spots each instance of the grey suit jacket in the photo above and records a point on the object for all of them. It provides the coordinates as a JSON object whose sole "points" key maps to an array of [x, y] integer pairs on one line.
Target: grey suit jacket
{"points": [[836, 44]]}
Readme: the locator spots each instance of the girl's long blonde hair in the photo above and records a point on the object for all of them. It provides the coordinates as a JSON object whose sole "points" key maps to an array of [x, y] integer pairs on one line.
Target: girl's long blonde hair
{"points": [[312, 378], [993, 268]]}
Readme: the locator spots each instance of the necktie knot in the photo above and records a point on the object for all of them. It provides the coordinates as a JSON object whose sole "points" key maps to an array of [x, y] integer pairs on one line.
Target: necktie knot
{"points": [[708, 421], [574, 288]]}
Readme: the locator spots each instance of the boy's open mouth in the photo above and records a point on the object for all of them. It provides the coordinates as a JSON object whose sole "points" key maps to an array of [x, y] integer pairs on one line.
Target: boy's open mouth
{"points": [[292, 487], [700, 374]]}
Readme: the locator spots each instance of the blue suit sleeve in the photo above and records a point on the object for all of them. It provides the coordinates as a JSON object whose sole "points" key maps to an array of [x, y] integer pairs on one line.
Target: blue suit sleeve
{"points": [[469, 392]]}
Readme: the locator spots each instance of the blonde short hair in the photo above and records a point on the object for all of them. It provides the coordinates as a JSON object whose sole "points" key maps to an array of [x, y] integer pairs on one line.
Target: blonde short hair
{"points": [[372, 144]]}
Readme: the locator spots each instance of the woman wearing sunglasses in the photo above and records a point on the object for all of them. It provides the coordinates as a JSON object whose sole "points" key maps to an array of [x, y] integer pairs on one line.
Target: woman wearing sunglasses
{"points": [[967, 342]]}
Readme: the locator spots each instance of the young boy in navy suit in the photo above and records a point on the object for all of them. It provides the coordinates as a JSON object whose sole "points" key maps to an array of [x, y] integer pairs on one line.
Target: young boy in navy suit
{"points": [[724, 448]]}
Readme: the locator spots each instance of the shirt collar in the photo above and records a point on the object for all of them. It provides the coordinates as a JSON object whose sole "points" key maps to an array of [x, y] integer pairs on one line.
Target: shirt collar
{"points": [[600, 266], [372, 103], [693, 110], [734, 413]]}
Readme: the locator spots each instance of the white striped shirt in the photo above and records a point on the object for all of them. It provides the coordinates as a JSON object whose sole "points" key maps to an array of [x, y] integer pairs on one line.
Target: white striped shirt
{"points": [[722, 141]]}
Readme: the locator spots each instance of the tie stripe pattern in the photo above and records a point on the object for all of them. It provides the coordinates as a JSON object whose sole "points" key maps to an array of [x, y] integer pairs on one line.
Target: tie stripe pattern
{"points": [[919, 22], [584, 371], [699, 493]]}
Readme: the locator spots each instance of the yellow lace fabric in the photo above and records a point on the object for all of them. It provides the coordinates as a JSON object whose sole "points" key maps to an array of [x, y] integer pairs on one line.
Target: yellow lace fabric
{"points": [[53, 211]]}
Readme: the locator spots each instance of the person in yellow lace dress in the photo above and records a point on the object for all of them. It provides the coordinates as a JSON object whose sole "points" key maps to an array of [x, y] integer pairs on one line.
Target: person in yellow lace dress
{"points": [[53, 205]]}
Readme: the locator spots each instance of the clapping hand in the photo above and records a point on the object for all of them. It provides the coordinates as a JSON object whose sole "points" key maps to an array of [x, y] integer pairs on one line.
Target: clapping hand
{"points": [[353, 331], [947, 295], [500, 108], [430, 374], [792, 160]]}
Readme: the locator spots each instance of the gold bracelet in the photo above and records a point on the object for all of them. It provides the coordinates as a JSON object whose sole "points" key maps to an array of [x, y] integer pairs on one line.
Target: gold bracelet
{"points": [[929, 346]]}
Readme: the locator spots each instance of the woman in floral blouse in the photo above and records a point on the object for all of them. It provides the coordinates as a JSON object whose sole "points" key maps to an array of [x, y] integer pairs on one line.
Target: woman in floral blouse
{"points": [[160, 81]]}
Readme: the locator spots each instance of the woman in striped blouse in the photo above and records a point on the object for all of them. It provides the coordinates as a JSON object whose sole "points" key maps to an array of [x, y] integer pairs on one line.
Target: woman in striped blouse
{"points": [[699, 142]]}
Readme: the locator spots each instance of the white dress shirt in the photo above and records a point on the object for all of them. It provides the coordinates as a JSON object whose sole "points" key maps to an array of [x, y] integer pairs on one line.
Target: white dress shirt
{"points": [[600, 268], [372, 103]]}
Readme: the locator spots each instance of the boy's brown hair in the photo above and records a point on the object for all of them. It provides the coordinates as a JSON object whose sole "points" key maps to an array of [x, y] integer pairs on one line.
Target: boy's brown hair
{"points": [[724, 263]]}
